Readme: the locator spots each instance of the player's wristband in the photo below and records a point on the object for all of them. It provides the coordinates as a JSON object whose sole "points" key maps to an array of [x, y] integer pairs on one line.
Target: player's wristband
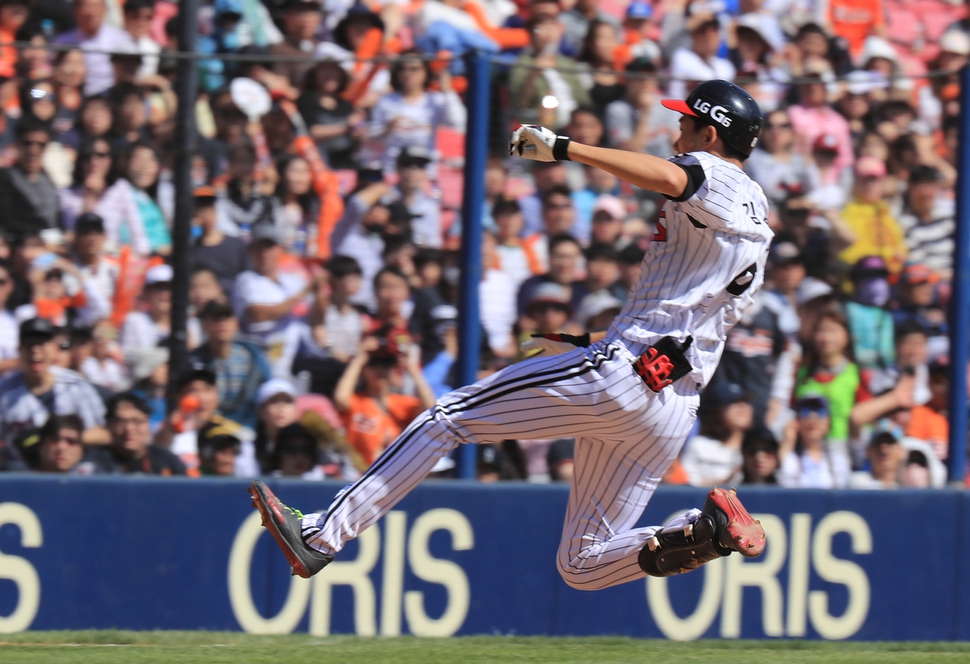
{"points": [[560, 149], [581, 340]]}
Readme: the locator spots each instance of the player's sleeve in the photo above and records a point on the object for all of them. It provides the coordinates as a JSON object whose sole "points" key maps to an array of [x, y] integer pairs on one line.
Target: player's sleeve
{"points": [[713, 194]]}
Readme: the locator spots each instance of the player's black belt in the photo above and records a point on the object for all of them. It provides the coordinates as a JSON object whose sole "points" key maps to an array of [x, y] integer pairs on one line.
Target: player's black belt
{"points": [[663, 363]]}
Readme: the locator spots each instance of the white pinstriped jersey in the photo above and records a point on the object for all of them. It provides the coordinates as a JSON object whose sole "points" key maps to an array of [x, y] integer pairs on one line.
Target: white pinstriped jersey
{"points": [[715, 240]]}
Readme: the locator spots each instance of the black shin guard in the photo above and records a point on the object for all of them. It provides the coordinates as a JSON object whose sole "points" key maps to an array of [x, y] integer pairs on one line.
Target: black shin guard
{"points": [[671, 552]]}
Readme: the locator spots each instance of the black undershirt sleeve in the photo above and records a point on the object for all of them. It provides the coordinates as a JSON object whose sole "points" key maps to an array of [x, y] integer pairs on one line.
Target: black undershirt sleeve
{"points": [[695, 178]]}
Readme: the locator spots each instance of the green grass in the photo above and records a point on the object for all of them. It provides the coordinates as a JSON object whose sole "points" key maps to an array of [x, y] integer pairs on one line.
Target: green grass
{"points": [[235, 648]]}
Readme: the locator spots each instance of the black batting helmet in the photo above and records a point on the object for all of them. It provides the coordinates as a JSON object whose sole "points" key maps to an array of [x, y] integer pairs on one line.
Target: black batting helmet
{"points": [[726, 107]]}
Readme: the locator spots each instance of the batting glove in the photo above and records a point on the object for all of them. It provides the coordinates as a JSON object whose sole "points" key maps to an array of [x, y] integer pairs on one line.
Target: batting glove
{"points": [[539, 144], [553, 344]]}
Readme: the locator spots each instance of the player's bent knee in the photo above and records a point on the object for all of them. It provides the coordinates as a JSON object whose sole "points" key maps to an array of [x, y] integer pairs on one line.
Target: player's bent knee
{"points": [[578, 578]]}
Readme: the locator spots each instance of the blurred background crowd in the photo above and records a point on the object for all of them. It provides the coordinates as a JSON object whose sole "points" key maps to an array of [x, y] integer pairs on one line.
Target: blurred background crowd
{"points": [[326, 227]]}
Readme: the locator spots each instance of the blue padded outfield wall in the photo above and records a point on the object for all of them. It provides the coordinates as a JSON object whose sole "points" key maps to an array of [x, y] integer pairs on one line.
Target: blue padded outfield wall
{"points": [[460, 559]]}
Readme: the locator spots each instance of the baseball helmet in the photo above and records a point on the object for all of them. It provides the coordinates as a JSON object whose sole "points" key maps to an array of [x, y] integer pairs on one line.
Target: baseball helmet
{"points": [[726, 107]]}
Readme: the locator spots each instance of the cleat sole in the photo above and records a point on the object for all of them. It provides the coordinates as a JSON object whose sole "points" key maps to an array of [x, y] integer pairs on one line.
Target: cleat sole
{"points": [[746, 533], [296, 567]]}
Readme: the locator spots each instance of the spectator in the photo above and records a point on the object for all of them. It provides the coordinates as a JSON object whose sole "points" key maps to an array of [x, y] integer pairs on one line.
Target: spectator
{"points": [[828, 370], [276, 404], [297, 453], [602, 273], [305, 454], [296, 205], [131, 450], [928, 222], [61, 449], [638, 121], [582, 20], [545, 82], [246, 199], [631, 259], [265, 298], [103, 366], [240, 366], [224, 256], [334, 123], [496, 293], [855, 20], [412, 165], [759, 453], [885, 456], [868, 217], [918, 303], [809, 458], [29, 195], [812, 117], [517, 258], [153, 326], [608, 215], [598, 51], [198, 399], [9, 330], [699, 62], [149, 376], [334, 325], [28, 397], [775, 165], [751, 353], [372, 414], [409, 115], [97, 39], [360, 235], [98, 268], [597, 311], [142, 171], [870, 324], [713, 456], [564, 269], [138, 22], [548, 309], [218, 450], [95, 190], [68, 79], [300, 22]]}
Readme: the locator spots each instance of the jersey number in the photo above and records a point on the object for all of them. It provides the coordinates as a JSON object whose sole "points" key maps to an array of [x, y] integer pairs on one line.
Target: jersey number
{"points": [[750, 210], [660, 234]]}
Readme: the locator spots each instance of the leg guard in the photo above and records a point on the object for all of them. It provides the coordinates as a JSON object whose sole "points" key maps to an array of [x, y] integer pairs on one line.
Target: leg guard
{"points": [[722, 527], [671, 552]]}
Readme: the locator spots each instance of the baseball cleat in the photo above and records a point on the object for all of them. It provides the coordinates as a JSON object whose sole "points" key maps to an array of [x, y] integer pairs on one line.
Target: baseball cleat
{"points": [[724, 526], [285, 524], [736, 529]]}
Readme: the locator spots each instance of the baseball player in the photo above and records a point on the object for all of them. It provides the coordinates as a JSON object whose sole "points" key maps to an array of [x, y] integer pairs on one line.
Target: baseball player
{"points": [[629, 396]]}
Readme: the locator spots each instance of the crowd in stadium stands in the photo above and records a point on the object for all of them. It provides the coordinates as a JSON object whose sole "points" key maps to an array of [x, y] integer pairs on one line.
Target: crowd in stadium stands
{"points": [[324, 260]]}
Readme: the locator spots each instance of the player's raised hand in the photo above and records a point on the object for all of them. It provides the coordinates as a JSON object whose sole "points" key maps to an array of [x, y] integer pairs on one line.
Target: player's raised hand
{"points": [[538, 144]]}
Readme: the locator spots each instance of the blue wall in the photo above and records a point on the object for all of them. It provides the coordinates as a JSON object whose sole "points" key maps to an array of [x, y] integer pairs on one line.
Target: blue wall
{"points": [[470, 559]]}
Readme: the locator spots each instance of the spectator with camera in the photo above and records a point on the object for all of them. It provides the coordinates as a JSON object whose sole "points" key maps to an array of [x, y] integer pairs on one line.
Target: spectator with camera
{"points": [[372, 413]]}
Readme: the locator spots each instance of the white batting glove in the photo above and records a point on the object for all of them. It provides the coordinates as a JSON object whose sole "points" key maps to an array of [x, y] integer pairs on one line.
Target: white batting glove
{"points": [[538, 144]]}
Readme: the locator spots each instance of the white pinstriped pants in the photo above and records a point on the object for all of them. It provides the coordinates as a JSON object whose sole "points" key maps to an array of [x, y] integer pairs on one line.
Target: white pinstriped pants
{"points": [[626, 437]]}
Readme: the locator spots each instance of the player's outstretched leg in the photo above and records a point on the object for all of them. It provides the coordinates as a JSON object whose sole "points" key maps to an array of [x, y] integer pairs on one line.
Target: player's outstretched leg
{"points": [[722, 527], [284, 524]]}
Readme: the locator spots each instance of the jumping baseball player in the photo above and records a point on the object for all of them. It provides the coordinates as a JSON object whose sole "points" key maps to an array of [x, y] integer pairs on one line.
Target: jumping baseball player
{"points": [[628, 396]]}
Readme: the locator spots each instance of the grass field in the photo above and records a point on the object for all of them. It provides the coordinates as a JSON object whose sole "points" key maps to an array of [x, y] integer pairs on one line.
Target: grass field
{"points": [[235, 648]]}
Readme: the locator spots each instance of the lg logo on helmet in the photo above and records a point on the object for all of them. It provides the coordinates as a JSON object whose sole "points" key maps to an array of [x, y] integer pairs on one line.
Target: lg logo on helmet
{"points": [[717, 113]]}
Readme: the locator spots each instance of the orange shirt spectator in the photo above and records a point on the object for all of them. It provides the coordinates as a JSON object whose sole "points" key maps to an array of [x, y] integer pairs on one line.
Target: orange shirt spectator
{"points": [[855, 20], [928, 425], [371, 426]]}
